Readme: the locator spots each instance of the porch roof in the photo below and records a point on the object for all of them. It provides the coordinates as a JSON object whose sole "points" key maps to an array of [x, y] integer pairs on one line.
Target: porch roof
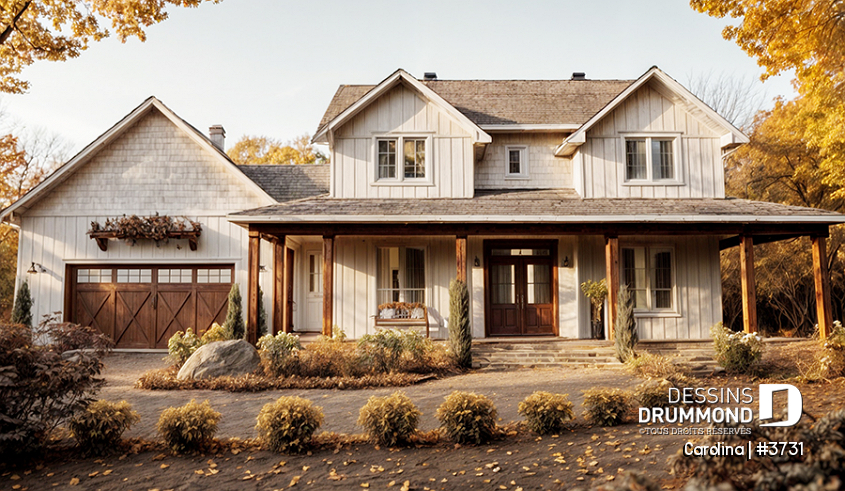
{"points": [[533, 207]]}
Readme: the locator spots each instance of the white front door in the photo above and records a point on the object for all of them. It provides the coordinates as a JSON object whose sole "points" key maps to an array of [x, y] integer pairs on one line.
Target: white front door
{"points": [[314, 291]]}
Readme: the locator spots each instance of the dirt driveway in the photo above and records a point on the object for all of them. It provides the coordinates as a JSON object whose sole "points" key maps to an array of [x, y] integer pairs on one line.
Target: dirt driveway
{"points": [[506, 389]]}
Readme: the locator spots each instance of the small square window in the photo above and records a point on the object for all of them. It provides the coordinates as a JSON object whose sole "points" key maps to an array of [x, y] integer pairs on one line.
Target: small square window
{"points": [[516, 161]]}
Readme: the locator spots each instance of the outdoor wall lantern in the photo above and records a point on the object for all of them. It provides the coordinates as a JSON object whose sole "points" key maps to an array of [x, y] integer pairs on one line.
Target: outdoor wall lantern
{"points": [[477, 262], [36, 268], [566, 261], [262, 268]]}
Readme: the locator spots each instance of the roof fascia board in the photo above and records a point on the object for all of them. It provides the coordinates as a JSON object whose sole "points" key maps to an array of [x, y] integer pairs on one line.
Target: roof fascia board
{"points": [[515, 127], [478, 134]]}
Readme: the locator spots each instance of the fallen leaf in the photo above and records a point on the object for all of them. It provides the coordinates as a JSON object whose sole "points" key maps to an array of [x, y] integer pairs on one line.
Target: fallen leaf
{"points": [[199, 472], [94, 474], [74, 481], [165, 466], [15, 477], [107, 472], [160, 456], [294, 480], [365, 485]]}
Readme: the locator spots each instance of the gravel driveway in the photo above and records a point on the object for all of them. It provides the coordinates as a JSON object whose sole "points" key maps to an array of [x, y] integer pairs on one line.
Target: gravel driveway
{"points": [[507, 389]]}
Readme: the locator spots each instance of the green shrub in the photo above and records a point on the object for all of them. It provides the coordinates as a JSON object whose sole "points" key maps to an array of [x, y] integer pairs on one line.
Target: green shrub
{"points": [[234, 324], [606, 407], [181, 346], [22, 312], [468, 417], [545, 412], [653, 393], [389, 420], [736, 351], [460, 332], [262, 314], [99, 427], [384, 351], [626, 336], [189, 427], [278, 353], [214, 333], [287, 424]]}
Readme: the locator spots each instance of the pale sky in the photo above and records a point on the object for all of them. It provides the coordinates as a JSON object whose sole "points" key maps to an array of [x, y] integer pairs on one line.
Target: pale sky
{"points": [[270, 67]]}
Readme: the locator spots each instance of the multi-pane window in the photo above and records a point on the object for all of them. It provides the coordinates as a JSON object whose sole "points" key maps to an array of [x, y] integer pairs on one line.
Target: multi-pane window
{"points": [[516, 161], [315, 273], [647, 271], [214, 275], [175, 275], [93, 276], [401, 274], [411, 151], [134, 275], [649, 159]]}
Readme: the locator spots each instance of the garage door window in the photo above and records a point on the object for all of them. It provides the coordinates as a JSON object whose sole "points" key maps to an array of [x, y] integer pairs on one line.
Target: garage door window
{"points": [[214, 275], [93, 276], [134, 276], [175, 276]]}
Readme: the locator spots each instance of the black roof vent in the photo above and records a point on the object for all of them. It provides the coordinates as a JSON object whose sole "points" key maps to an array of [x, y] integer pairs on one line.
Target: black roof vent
{"points": [[430, 76], [579, 76]]}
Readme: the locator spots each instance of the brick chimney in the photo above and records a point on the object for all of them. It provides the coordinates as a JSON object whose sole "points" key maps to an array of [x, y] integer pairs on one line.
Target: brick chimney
{"points": [[217, 135]]}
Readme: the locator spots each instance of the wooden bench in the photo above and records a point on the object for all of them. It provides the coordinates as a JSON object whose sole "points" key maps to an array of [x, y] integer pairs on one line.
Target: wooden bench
{"points": [[402, 313]]}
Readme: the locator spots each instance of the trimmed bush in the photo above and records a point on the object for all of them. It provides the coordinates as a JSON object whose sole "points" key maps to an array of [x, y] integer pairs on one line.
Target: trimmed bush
{"points": [[736, 351], [468, 417], [626, 336], [288, 424], [460, 332], [606, 407], [214, 333], [389, 420], [234, 324], [181, 346], [100, 426], [384, 351], [22, 312], [545, 412], [188, 428], [653, 393], [278, 353]]}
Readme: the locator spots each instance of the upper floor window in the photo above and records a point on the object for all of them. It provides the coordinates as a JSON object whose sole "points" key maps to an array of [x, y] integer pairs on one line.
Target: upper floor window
{"points": [[648, 272], [400, 158], [516, 161], [650, 159]]}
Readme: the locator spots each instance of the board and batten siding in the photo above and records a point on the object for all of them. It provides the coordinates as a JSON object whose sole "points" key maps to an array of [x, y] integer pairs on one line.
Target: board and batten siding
{"points": [[545, 171], [401, 111], [698, 286], [647, 111], [152, 167]]}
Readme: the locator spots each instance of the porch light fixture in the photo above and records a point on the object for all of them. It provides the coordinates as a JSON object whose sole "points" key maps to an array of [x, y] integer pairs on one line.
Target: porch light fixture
{"points": [[35, 269], [262, 268], [566, 261], [477, 262]]}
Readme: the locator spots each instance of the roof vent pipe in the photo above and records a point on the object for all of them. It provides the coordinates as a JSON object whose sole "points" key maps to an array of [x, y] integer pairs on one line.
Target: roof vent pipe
{"points": [[579, 76], [430, 76], [217, 135]]}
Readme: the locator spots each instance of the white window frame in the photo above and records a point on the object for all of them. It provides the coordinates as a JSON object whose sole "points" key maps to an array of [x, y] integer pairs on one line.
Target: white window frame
{"points": [[523, 162], [650, 179], [400, 178], [649, 310], [402, 245]]}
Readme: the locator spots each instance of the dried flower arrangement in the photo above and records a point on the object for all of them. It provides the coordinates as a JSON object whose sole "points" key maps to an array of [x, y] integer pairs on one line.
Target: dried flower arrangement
{"points": [[157, 227]]}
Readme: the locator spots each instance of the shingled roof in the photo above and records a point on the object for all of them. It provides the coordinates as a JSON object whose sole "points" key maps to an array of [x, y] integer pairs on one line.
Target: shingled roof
{"points": [[289, 182], [538, 206], [507, 101]]}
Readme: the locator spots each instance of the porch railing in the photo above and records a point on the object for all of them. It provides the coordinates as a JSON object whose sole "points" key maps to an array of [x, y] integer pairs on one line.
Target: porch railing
{"points": [[407, 295]]}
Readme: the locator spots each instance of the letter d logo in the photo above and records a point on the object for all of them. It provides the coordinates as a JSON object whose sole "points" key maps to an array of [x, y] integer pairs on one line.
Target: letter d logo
{"points": [[794, 401]]}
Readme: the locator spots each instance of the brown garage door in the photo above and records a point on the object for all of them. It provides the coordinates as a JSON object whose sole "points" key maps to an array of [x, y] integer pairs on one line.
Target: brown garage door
{"points": [[143, 306]]}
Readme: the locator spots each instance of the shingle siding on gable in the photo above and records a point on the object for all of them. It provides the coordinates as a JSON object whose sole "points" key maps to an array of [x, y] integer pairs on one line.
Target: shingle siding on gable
{"points": [[153, 167], [545, 171]]}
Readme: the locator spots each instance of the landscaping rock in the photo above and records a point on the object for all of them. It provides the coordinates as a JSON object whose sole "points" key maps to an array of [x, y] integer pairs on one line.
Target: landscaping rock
{"points": [[221, 358]]}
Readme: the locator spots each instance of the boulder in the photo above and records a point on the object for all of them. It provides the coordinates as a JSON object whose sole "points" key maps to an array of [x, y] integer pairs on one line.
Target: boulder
{"points": [[221, 358]]}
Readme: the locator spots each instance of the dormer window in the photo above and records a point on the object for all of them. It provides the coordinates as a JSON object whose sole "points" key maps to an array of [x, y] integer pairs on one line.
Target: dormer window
{"points": [[516, 162], [651, 159], [413, 152]]}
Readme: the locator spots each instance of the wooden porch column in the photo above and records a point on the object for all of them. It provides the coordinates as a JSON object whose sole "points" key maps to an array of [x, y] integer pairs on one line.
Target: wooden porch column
{"points": [[611, 260], [328, 284], [252, 286], [461, 257], [822, 278], [280, 266], [749, 289]]}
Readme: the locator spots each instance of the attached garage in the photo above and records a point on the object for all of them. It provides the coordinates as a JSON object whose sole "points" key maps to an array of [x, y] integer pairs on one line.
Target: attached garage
{"points": [[142, 306]]}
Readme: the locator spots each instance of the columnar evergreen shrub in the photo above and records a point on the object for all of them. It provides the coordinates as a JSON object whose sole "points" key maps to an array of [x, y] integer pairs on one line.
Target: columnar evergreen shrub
{"points": [[188, 428], [606, 407], [100, 426], [288, 424], [545, 412], [468, 417], [736, 351], [626, 326], [262, 314], [460, 333], [278, 353], [234, 324], [389, 420], [22, 313]]}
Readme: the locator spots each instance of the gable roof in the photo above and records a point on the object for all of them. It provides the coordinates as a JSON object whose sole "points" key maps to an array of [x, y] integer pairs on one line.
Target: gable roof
{"points": [[86, 154], [290, 182], [496, 102], [323, 134]]}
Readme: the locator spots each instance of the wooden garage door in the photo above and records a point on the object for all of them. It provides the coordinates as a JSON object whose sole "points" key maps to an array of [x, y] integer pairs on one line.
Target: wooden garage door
{"points": [[143, 306]]}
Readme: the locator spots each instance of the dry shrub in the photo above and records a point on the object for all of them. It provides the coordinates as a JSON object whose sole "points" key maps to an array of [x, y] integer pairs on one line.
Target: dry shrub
{"points": [[545, 412], [188, 428], [329, 357], [653, 393], [606, 407], [736, 351], [278, 353], [288, 424], [214, 333], [100, 426], [468, 417], [390, 420], [651, 366]]}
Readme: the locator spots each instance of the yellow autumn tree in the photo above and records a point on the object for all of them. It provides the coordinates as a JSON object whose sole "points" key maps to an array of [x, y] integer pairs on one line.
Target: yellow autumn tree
{"points": [[260, 150], [56, 30], [807, 37]]}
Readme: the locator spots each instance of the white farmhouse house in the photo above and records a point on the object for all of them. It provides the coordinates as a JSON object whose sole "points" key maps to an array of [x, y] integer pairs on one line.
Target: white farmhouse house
{"points": [[522, 189]]}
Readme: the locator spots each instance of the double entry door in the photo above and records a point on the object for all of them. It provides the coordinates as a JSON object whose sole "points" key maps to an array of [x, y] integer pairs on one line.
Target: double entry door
{"points": [[520, 289]]}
